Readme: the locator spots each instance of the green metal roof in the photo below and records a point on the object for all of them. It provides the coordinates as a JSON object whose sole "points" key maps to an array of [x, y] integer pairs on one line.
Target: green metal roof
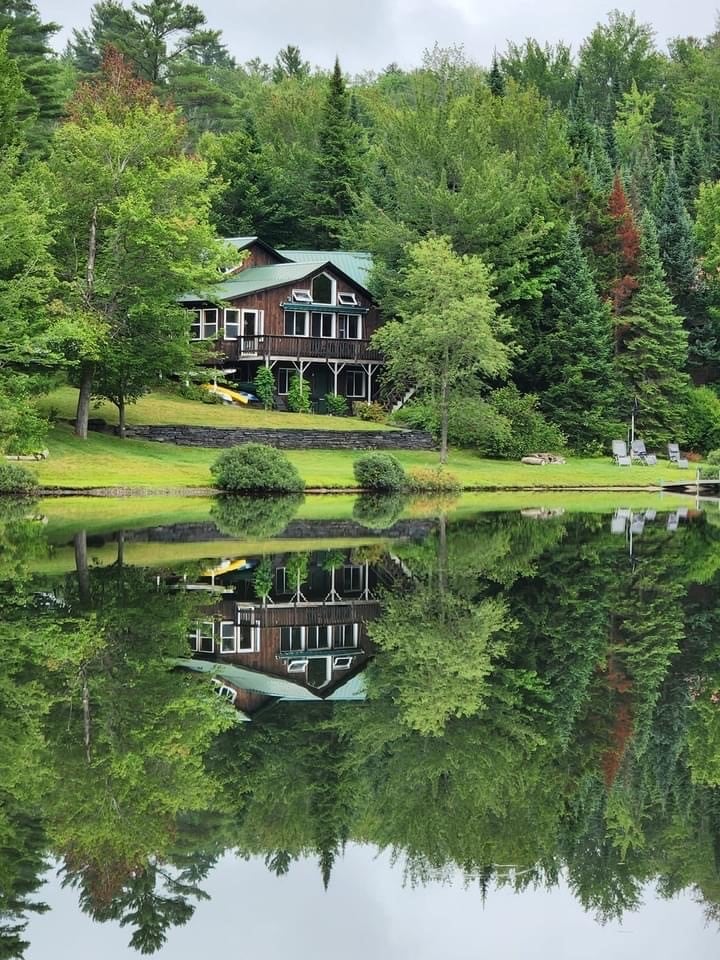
{"points": [[354, 263], [255, 279]]}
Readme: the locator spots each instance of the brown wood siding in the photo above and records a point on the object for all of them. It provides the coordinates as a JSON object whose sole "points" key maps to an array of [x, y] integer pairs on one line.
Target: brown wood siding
{"points": [[257, 256]]}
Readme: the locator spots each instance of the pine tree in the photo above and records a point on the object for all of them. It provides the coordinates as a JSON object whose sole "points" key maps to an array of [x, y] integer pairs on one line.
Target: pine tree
{"points": [[653, 349], [677, 245], [626, 248], [496, 80], [693, 167], [580, 398], [335, 178]]}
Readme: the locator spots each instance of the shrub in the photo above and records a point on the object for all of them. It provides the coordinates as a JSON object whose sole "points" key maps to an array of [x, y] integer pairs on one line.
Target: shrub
{"points": [[529, 430], [254, 517], [379, 511], [336, 405], [702, 420], [298, 399], [713, 458], [255, 468], [433, 480], [17, 479], [264, 384], [379, 471], [372, 412], [191, 391], [208, 397]]}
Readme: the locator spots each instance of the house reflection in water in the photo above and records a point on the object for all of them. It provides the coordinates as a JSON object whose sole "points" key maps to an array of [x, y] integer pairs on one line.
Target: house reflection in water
{"points": [[306, 640]]}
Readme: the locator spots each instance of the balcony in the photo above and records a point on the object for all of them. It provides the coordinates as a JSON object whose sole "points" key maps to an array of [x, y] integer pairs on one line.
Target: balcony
{"points": [[305, 348]]}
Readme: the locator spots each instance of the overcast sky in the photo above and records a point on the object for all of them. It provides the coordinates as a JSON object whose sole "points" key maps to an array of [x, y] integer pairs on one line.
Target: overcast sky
{"points": [[373, 33]]}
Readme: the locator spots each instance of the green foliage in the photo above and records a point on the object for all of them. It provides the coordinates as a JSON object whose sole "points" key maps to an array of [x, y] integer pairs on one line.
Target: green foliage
{"points": [[379, 471], [263, 579], [264, 384], [713, 458], [701, 423], [336, 405], [17, 479], [379, 511], [371, 412], [254, 517], [299, 397], [530, 432], [256, 468]]}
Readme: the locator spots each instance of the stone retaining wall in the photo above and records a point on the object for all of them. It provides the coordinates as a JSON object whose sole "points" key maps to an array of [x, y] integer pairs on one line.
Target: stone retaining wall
{"points": [[286, 439]]}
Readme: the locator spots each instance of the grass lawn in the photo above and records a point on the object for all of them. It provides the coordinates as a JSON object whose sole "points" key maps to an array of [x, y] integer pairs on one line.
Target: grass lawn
{"points": [[105, 461], [169, 408]]}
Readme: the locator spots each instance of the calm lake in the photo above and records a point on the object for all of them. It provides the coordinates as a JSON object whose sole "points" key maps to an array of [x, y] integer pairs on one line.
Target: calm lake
{"points": [[487, 727]]}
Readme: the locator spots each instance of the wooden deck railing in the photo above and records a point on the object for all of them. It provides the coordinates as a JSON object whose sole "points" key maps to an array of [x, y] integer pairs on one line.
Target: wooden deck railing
{"points": [[307, 348]]}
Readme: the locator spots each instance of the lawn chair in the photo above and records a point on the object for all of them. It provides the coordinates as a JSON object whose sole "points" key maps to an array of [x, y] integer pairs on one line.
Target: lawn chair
{"points": [[619, 521], [674, 456], [637, 523], [620, 453], [638, 452]]}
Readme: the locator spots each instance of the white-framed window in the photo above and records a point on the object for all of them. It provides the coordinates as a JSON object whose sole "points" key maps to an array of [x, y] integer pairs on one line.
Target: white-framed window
{"points": [[353, 577], [301, 296], [355, 383], [318, 638], [349, 326], [292, 638], [227, 636], [295, 323], [345, 635], [342, 663], [284, 375], [222, 690], [232, 324], [204, 324], [321, 325], [323, 289], [247, 638], [202, 636], [347, 299], [252, 323], [297, 666]]}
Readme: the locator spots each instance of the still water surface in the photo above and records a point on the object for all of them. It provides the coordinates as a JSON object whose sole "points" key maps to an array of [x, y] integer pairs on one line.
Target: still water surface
{"points": [[452, 734]]}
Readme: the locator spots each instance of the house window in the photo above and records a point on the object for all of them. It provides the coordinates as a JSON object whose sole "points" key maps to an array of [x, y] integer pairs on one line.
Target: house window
{"points": [[353, 579], [202, 637], [227, 693], [318, 638], [322, 289], [301, 296], [247, 638], [227, 637], [297, 666], [251, 323], [204, 324], [281, 585], [346, 635], [295, 323], [283, 380], [349, 326], [342, 663], [355, 383], [347, 299], [321, 325], [292, 638], [232, 324]]}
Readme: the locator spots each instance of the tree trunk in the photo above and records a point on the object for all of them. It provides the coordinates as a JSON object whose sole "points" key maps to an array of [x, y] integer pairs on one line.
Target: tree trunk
{"points": [[444, 412], [81, 567], [120, 538], [82, 415], [443, 555], [121, 417]]}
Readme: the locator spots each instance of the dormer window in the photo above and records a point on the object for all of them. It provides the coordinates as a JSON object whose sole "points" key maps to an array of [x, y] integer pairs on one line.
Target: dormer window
{"points": [[301, 296], [347, 299], [322, 289]]}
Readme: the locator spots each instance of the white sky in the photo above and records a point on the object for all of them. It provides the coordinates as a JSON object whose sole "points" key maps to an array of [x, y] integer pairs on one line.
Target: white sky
{"points": [[372, 33]]}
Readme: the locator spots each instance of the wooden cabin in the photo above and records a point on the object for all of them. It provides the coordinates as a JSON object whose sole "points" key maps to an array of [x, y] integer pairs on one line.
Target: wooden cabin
{"points": [[301, 312]]}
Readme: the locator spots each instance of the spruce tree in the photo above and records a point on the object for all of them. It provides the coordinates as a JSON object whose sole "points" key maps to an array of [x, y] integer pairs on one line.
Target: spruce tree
{"points": [[581, 395], [653, 349], [693, 167], [626, 247], [496, 80], [335, 178], [677, 246]]}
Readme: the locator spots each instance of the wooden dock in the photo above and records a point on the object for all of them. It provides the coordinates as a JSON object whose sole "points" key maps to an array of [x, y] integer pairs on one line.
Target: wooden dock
{"points": [[698, 486]]}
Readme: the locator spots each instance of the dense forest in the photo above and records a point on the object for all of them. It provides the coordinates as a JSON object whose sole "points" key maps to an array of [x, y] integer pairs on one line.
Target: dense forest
{"points": [[586, 183]]}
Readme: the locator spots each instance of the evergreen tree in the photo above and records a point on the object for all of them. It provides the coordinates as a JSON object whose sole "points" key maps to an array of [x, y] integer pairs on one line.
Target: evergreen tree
{"points": [[693, 167], [652, 348], [579, 350], [335, 178], [289, 63], [626, 247], [496, 80], [676, 241]]}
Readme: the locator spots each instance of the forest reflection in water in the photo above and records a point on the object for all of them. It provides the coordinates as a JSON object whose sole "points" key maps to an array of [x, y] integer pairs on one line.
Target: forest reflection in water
{"points": [[520, 698]]}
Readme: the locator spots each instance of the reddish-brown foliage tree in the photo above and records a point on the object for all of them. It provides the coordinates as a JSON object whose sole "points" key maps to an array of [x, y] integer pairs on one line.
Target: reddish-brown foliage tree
{"points": [[116, 89], [627, 248]]}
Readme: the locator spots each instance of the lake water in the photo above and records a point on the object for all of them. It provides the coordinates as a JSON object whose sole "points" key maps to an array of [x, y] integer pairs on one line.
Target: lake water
{"points": [[417, 730]]}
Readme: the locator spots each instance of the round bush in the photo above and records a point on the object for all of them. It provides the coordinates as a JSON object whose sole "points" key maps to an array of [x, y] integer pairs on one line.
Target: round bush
{"points": [[254, 517], [16, 479], [379, 511], [379, 471], [256, 468], [713, 458]]}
